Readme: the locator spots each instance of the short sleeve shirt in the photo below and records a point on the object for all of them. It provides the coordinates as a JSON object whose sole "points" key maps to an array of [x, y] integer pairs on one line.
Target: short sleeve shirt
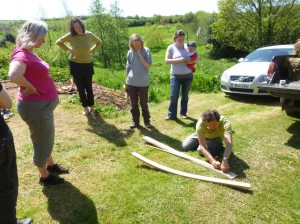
{"points": [[37, 73], [223, 128]]}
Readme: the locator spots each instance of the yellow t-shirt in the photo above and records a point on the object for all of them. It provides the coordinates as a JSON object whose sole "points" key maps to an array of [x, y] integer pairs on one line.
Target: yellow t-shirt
{"points": [[223, 128], [82, 46]]}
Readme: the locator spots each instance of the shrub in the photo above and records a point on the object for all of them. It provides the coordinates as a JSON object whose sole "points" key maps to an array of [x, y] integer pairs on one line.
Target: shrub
{"points": [[60, 74], [3, 74]]}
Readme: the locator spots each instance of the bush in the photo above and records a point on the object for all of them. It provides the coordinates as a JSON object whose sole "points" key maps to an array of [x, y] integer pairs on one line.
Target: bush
{"points": [[60, 74], [5, 53], [3, 74]]}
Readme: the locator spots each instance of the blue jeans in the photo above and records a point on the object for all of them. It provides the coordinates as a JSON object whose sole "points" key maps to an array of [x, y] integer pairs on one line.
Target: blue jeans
{"points": [[175, 84]]}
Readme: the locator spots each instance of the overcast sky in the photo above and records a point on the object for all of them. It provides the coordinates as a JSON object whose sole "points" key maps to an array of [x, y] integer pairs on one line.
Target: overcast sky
{"points": [[29, 9]]}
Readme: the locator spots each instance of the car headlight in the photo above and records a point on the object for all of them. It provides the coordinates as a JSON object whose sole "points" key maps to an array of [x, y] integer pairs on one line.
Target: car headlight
{"points": [[224, 77], [265, 78]]}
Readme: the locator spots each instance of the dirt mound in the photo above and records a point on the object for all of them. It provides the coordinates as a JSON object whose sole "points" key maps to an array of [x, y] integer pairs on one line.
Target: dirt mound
{"points": [[103, 95]]}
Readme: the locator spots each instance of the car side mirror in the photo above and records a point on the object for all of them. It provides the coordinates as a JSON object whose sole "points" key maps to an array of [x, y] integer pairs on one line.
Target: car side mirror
{"points": [[241, 60]]}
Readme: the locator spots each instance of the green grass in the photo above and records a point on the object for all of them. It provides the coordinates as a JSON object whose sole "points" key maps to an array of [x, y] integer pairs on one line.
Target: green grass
{"points": [[107, 184]]}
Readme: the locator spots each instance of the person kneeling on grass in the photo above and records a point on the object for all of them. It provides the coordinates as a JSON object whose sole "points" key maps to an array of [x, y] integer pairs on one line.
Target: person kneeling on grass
{"points": [[211, 129]]}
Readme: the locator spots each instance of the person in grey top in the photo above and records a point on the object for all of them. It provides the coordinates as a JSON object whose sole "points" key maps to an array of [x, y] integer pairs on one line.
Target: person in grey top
{"points": [[137, 81]]}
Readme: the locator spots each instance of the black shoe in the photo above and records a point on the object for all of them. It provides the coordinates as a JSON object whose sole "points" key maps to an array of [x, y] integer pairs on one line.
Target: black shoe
{"points": [[25, 221], [134, 125], [57, 169], [148, 125], [51, 180]]}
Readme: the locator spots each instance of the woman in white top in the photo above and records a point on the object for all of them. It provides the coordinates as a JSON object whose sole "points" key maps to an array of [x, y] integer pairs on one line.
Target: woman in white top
{"points": [[177, 56]]}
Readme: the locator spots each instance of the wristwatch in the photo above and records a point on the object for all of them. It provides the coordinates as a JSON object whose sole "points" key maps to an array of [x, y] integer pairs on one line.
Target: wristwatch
{"points": [[225, 158]]}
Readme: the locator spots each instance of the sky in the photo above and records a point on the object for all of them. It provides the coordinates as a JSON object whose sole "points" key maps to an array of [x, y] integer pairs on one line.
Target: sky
{"points": [[37, 9]]}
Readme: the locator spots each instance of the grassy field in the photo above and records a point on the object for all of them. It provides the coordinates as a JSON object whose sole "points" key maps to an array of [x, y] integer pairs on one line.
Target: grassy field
{"points": [[108, 185]]}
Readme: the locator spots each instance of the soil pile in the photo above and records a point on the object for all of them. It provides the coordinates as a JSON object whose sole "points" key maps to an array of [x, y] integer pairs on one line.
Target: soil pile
{"points": [[103, 95]]}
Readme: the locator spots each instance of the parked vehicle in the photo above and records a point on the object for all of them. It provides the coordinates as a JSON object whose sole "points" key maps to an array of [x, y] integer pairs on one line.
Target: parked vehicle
{"points": [[285, 83], [251, 71]]}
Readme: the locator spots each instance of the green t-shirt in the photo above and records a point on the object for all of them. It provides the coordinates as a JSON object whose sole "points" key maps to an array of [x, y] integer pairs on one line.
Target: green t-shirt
{"points": [[81, 46], [223, 128]]}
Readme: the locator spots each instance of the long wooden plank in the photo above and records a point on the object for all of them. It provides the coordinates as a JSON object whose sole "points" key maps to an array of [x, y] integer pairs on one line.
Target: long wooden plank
{"points": [[194, 176], [170, 150]]}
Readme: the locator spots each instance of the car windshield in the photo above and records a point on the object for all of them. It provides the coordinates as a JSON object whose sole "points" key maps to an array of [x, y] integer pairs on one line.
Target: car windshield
{"points": [[267, 54]]}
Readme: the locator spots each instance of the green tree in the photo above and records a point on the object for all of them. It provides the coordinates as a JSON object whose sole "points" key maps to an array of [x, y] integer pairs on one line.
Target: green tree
{"points": [[248, 24], [120, 35], [113, 31], [153, 37]]}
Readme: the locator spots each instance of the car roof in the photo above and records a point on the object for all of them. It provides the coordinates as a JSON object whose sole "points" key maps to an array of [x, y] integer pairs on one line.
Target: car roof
{"points": [[282, 46]]}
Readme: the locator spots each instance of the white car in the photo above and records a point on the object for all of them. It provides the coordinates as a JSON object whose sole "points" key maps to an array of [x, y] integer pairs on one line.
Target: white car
{"points": [[251, 71]]}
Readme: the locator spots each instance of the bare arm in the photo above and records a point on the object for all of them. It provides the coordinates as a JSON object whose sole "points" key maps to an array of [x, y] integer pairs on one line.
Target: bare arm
{"points": [[5, 100], [227, 152], [16, 75], [169, 60]]}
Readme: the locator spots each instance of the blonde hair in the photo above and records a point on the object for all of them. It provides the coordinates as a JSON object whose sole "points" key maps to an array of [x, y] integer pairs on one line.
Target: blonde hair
{"points": [[30, 33], [135, 37], [297, 48]]}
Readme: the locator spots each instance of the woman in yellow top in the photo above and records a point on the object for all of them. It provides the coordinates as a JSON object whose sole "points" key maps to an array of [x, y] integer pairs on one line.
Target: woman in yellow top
{"points": [[82, 44]]}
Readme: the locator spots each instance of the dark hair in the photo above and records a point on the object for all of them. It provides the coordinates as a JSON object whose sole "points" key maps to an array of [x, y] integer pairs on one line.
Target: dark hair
{"points": [[178, 33], [210, 115], [76, 20]]}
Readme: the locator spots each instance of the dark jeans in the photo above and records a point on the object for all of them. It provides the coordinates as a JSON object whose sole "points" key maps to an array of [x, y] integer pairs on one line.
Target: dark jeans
{"points": [[83, 77], [175, 84], [85, 90], [137, 94], [8, 180]]}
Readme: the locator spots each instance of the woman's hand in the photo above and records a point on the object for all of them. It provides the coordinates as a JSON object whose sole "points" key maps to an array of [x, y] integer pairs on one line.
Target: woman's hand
{"points": [[29, 91]]}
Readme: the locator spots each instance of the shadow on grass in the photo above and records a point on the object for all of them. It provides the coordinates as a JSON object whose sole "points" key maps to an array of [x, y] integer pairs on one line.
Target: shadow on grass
{"points": [[108, 131], [238, 165], [191, 124], [254, 99], [158, 136], [66, 204], [294, 129]]}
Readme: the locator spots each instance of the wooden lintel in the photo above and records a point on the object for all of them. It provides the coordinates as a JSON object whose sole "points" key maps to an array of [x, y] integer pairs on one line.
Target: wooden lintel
{"points": [[170, 150], [193, 176]]}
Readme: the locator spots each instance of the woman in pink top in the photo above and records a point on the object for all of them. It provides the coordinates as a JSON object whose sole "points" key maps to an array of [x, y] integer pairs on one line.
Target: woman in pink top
{"points": [[37, 98]]}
